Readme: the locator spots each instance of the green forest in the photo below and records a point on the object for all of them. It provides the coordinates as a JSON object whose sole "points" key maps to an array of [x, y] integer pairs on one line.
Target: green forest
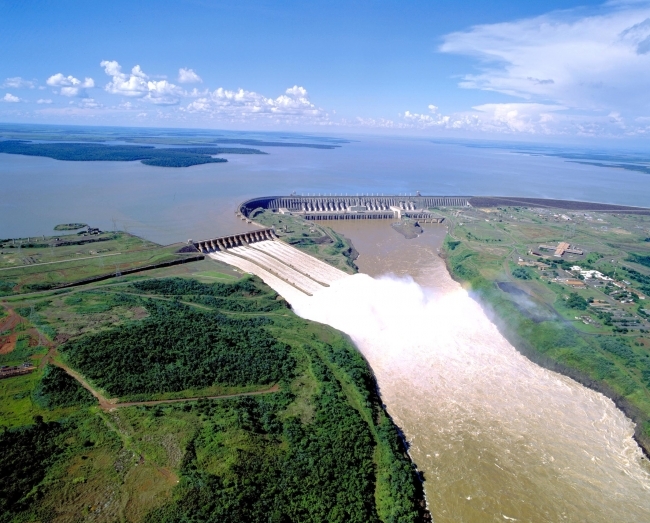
{"points": [[148, 155], [314, 445]]}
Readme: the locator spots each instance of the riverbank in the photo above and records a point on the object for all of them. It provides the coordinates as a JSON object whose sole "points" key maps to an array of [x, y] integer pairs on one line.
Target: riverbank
{"points": [[511, 324]]}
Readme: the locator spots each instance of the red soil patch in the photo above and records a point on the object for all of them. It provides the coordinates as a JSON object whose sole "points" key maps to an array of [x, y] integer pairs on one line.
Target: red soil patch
{"points": [[8, 343], [140, 313], [7, 324]]}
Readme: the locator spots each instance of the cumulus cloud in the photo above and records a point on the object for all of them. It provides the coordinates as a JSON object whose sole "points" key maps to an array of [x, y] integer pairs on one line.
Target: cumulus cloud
{"points": [[138, 85], [431, 119], [294, 104], [43, 101], [520, 118], [588, 61], [188, 76], [18, 83], [89, 103], [69, 85], [10, 98]]}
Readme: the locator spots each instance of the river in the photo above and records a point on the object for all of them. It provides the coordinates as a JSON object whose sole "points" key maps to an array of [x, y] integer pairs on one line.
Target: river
{"points": [[169, 205], [497, 437]]}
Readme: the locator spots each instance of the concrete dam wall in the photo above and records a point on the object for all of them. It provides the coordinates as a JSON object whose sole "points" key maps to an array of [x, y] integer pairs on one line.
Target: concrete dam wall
{"points": [[290, 272], [354, 207]]}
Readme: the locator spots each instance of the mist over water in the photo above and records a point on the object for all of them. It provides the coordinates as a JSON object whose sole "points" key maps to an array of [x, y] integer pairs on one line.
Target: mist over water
{"points": [[497, 437]]}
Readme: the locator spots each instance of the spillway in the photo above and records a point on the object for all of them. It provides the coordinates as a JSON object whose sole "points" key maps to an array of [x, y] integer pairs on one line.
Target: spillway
{"points": [[312, 267], [285, 272], [286, 290], [291, 273]]}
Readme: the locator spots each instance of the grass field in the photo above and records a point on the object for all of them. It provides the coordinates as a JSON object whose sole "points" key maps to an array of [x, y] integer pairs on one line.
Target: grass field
{"points": [[34, 264], [592, 326]]}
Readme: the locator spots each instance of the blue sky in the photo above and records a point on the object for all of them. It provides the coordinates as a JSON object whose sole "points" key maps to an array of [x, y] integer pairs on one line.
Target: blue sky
{"points": [[557, 68]]}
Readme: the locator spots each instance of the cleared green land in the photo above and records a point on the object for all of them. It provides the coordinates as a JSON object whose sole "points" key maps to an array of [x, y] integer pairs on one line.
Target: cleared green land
{"points": [[41, 263], [317, 445], [594, 329]]}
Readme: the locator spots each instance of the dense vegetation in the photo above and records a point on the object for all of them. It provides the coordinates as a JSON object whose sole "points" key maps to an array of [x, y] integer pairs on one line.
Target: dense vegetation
{"points": [[575, 301], [178, 347], [70, 226], [324, 472], [521, 273], [640, 259], [57, 389], [242, 296], [85, 152], [27, 453]]}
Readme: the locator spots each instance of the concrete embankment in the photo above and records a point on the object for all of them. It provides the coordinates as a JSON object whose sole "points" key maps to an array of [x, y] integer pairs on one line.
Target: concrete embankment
{"points": [[291, 273], [300, 261]]}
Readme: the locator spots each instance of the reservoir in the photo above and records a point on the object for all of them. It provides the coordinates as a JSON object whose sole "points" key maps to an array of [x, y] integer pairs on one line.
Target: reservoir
{"points": [[168, 205]]}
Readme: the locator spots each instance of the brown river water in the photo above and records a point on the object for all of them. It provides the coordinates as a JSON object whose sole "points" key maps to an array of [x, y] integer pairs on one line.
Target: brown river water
{"points": [[497, 437]]}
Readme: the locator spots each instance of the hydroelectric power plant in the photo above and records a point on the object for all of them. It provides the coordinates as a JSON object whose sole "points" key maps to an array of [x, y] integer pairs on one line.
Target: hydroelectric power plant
{"points": [[481, 419], [364, 207], [289, 270]]}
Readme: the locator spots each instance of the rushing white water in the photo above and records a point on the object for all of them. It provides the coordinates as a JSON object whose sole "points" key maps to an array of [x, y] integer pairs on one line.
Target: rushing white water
{"points": [[497, 436]]}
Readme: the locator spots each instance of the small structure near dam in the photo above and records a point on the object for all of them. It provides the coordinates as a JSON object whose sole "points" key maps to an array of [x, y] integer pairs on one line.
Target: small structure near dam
{"points": [[354, 207]]}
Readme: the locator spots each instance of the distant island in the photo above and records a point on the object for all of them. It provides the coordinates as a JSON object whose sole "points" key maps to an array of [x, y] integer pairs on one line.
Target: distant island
{"points": [[631, 161], [161, 136], [70, 226], [148, 155]]}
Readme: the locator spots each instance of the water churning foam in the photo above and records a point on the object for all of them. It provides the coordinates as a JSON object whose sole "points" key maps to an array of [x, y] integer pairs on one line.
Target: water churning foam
{"points": [[496, 435]]}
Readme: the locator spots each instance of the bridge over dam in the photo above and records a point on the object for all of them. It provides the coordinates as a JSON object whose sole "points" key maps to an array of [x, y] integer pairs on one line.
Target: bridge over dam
{"points": [[354, 207]]}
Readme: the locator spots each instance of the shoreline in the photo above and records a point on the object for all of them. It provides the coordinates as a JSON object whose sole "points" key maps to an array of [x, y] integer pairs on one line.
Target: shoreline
{"points": [[524, 348], [422, 501]]}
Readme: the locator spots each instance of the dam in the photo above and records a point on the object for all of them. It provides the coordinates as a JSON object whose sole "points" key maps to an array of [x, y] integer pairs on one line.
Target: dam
{"points": [[364, 207]]}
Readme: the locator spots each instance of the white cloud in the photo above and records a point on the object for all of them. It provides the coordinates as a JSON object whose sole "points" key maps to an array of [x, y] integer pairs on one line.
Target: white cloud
{"points": [[89, 103], [597, 61], [188, 76], [10, 98], [520, 118], [44, 101], [434, 118], [241, 105], [137, 84], [69, 85], [18, 83], [134, 84], [163, 93]]}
